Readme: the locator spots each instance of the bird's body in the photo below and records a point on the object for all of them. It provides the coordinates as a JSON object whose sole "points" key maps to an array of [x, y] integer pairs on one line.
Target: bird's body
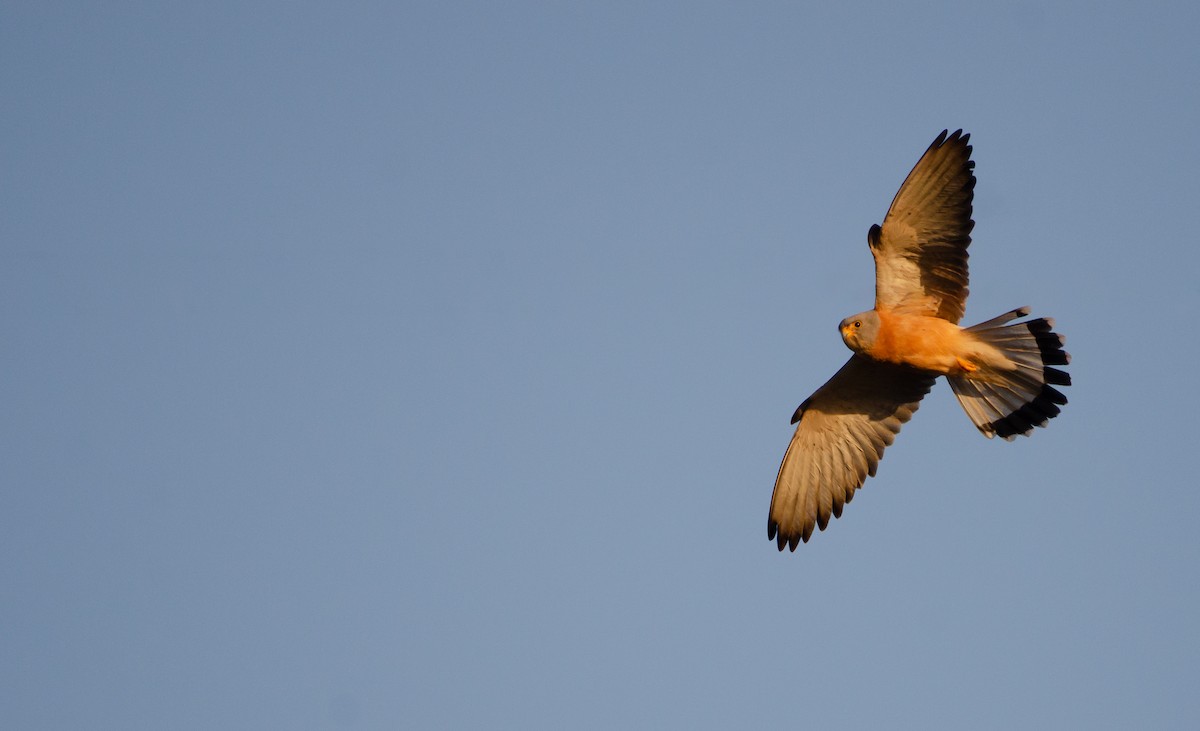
{"points": [[1002, 373], [926, 343], [920, 341]]}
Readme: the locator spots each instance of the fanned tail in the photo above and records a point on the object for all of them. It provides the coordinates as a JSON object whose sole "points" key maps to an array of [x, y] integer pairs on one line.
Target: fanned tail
{"points": [[1011, 402]]}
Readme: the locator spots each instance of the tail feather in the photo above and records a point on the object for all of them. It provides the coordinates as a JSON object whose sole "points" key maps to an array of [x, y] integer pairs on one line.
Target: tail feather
{"points": [[1013, 401]]}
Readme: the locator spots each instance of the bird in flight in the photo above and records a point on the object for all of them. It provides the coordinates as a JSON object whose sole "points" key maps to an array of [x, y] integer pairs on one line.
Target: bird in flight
{"points": [[1002, 372]]}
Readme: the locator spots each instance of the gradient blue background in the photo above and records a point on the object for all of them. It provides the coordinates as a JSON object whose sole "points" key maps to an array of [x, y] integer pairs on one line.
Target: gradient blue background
{"points": [[428, 365]]}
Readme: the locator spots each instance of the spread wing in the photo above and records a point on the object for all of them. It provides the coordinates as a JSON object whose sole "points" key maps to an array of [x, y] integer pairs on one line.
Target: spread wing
{"points": [[843, 430], [921, 250]]}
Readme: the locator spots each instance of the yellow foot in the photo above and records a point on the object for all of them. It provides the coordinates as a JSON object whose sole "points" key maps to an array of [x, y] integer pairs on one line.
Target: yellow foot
{"points": [[967, 365]]}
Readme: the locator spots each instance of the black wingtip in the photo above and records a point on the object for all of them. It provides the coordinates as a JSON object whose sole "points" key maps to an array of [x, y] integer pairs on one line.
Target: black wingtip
{"points": [[956, 137], [782, 540]]}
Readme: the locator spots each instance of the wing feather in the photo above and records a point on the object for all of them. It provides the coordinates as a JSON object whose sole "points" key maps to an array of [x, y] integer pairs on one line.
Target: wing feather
{"points": [[921, 249], [842, 431]]}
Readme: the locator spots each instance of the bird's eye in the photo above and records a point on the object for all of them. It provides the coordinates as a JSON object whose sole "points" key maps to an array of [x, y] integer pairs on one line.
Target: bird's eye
{"points": [[858, 323]]}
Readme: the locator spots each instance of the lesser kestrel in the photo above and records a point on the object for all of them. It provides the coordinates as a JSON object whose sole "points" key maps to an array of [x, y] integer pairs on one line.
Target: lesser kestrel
{"points": [[1002, 372]]}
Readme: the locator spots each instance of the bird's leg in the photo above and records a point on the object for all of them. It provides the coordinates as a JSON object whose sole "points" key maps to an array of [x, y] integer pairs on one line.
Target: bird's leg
{"points": [[966, 365]]}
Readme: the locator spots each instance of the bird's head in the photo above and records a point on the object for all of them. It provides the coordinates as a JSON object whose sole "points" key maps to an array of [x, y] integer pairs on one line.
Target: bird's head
{"points": [[859, 331]]}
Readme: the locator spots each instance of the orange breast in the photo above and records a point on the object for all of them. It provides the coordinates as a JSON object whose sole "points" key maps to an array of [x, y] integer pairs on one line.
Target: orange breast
{"points": [[929, 343]]}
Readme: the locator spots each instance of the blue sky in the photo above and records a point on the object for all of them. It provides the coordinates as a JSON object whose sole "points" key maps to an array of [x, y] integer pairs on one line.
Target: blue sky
{"points": [[428, 365]]}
